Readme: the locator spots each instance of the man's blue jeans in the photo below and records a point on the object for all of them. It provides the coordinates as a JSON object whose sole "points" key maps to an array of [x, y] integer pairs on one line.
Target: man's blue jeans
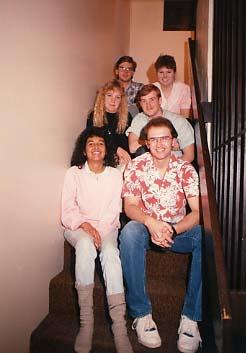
{"points": [[134, 242]]}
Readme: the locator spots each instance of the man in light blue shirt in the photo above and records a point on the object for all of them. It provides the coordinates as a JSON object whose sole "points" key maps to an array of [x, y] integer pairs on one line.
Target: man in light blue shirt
{"points": [[149, 98]]}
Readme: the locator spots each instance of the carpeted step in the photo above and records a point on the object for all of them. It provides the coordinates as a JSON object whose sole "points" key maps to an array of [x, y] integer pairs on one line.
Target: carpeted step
{"points": [[166, 282], [56, 334], [162, 264], [164, 294], [163, 267]]}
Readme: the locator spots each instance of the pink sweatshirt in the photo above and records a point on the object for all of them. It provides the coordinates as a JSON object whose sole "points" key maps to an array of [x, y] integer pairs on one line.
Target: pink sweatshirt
{"points": [[93, 198]]}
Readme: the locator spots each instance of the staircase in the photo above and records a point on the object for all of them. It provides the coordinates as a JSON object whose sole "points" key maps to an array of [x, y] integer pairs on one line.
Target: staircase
{"points": [[166, 274]]}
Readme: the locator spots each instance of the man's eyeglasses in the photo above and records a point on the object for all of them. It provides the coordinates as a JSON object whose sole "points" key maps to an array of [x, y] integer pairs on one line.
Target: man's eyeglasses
{"points": [[126, 69], [161, 139]]}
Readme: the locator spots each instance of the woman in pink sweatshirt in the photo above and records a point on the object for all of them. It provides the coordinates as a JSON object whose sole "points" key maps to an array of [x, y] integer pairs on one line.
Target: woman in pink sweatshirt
{"points": [[91, 204]]}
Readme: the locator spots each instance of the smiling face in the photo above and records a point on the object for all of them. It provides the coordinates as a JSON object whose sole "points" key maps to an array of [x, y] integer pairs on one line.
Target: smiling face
{"points": [[95, 149], [112, 101], [151, 105], [166, 76], [159, 142], [125, 72]]}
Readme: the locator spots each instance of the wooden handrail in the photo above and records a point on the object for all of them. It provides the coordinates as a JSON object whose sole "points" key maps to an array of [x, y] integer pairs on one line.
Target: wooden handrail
{"points": [[214, 266]]}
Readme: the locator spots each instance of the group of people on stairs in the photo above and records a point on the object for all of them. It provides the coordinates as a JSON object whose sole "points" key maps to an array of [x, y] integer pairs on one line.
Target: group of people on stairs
{"points": [[134, 157]]}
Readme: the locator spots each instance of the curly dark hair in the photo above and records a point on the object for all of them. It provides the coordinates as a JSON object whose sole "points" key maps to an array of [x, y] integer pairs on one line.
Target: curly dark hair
{"points": [[79, 157]]}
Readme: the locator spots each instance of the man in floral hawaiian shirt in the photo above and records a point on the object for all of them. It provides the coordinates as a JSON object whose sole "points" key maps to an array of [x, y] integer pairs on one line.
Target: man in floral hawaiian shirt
{"points": [[157, 187]]}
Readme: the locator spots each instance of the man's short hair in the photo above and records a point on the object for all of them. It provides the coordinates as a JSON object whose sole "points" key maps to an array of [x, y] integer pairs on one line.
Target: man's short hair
{"points": [[124, 59], [158, 122], [165, 60], [146, 89]]}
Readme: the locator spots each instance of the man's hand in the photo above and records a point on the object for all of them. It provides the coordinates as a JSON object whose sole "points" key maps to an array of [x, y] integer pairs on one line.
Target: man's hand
{"points": [[175, 145], [161, 232], [88, 228]]}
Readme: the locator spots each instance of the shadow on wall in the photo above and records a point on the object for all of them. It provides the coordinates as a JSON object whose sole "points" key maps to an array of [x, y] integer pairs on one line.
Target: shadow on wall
{"points": [[151, 74]]}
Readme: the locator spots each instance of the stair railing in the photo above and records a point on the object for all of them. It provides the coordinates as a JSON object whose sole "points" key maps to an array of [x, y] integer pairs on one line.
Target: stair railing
{"points": [[215, 284]]}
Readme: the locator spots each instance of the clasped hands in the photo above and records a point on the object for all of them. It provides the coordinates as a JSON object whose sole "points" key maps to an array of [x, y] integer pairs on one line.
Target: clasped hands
{"points": [[161, 232]]}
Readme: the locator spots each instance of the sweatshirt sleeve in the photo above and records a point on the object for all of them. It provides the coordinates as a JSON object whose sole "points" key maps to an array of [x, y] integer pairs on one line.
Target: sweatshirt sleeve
{"points": [[71, 216]]}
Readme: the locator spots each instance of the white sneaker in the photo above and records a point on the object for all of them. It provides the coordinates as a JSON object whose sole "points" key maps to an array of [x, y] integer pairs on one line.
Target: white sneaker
{"points": [[147, 331], [189, 337]]}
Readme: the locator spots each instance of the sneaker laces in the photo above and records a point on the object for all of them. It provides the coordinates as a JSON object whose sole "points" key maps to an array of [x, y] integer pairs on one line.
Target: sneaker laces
{"points": [[189, 328], [149, 324]]}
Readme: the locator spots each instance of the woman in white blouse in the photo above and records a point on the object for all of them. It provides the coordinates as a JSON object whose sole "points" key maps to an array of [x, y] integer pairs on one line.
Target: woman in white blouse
{"points": [[176, 96]]}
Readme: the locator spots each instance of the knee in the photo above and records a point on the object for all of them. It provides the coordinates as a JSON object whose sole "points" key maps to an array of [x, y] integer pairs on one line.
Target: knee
{"points": [[197, 236], [132, 234], [84, 246], [110, 260], [110, 252]]}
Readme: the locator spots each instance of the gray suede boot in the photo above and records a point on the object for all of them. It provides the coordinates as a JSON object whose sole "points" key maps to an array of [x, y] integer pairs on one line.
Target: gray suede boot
{"points": [[117, 310], [83, 340]]}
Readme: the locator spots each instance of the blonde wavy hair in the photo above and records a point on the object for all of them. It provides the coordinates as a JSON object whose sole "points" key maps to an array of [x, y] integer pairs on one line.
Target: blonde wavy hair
{"points": [[99, 116]]}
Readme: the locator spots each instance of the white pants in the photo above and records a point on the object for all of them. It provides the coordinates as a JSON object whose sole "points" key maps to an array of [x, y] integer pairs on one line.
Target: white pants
{"points": [[86, 253]]}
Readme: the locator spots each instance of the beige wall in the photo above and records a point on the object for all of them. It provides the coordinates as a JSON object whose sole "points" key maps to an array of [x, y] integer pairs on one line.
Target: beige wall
{"points": [[204, 46], [54, 54], [148, 40]]}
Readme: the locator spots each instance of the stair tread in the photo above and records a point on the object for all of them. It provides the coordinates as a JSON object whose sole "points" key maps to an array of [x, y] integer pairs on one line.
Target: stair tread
{"points": [[57, 333]]}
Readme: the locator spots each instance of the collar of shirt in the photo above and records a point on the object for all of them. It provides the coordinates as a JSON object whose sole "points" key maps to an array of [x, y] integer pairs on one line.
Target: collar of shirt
{"points": [[151, 167], [87, 170]]}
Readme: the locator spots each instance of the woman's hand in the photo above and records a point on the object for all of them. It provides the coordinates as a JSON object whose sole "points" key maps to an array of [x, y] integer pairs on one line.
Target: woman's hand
{"points": [[88, 228], [123, 156]]}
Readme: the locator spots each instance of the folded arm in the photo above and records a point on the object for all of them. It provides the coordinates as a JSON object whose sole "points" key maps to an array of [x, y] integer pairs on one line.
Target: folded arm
{"points": [[188, 153], [192, 218], [133, 142]]}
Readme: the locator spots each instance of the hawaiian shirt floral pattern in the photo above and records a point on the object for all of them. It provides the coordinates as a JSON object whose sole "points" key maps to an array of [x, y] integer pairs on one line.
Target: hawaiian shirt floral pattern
{"points": [[163, 198]]}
